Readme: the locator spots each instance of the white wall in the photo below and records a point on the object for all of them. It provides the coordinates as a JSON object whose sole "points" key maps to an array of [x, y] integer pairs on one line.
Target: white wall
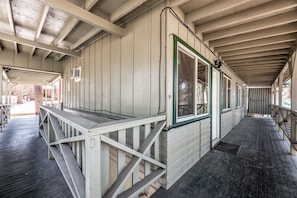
{"points": [[183, 146], [119, 75], [26, 61]]}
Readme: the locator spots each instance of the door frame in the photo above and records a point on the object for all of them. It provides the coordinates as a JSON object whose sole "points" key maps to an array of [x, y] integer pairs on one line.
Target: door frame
{"points": [[215, 110]]}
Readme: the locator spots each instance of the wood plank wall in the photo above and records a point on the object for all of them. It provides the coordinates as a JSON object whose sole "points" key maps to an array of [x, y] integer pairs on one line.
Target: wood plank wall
{"points": [[26, 61], [119, 75]]}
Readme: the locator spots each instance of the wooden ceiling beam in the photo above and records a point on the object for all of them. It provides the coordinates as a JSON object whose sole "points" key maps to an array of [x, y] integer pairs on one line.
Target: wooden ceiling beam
{"points": [[257, 42], [47, 54], [257, 49], [212, 9], [85, 16], [73, 22], [175, 3], [36, 44], [11, 23], [90, 3], [256, 66], [248, 71], [41, 21], [262, 58], [120, 12], [125, 9], [267, 9], [256, 63], [269, 32], [259, 54], [273, 21]]}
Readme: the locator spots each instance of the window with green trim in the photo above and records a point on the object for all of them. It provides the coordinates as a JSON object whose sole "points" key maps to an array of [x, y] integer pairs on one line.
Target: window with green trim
{"points": [[226, 92], [191, 84], [238, 95]]}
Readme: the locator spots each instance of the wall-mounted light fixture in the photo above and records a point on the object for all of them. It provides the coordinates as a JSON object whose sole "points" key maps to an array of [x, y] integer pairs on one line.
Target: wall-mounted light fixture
{"points": [[218, 63]]}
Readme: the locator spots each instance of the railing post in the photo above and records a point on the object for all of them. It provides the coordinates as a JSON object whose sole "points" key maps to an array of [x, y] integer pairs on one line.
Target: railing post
{"points": [[293, 134], [93, 166]]}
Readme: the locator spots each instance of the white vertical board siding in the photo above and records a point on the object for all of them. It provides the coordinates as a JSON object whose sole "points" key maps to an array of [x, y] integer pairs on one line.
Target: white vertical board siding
{"points": [[183, 149], [98, 75], [127, 71], [141, 65], [92, 103], [121, 74], [106, 75], [115, 69], [226, 123]]}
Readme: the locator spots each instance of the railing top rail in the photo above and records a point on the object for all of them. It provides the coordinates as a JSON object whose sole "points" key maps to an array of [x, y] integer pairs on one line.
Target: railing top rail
{"points": [[85, 125], [294, 112], [117, 125], [82, 124]]}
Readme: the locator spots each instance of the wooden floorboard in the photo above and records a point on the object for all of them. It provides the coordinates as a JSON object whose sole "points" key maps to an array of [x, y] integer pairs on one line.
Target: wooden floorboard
{"points": [[262, 167], [25, 170]]}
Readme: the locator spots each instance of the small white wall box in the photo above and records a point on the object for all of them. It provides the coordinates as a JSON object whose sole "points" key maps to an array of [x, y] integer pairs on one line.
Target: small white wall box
{"points": [[75, 74]]}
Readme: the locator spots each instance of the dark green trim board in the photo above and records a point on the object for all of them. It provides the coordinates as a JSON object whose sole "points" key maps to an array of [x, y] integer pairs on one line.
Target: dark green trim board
{"points": [[177, 40], [174, 78]]}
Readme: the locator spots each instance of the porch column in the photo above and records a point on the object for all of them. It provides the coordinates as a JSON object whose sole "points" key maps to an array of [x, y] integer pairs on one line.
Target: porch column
{"points": [[280, 90], [6, 91], [1, 84], [9, 93], [53, 93], [292, 64]]}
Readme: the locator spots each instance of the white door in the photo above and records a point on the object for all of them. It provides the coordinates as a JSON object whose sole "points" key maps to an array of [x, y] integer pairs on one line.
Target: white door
{"points": [[215, 106]]}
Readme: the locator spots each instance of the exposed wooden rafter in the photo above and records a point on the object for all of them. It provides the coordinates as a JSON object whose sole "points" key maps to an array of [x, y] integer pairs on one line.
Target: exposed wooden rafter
{"points": [[40, 25], [274, 21], [257, 49], [268, 9], [212, 9], [120, 12], [269, 32], [36, 44], [257, 42], [85, 16], [11, 22], [73, 22], [175, 3], [47, 54], [257, 54]]}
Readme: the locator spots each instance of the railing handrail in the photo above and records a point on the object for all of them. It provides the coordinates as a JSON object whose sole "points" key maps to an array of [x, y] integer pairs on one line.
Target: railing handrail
{"points": [[287, 109], [117, 125], [101, 128], [79, 124]]}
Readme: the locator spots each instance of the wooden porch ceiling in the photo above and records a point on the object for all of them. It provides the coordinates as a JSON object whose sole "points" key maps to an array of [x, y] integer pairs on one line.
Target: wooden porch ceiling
{"points": [[248, 35], [254, 38]]}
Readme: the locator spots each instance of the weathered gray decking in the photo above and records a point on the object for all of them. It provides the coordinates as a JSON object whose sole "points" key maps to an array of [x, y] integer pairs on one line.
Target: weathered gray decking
{"points": [[262, 167], [25, 170]]}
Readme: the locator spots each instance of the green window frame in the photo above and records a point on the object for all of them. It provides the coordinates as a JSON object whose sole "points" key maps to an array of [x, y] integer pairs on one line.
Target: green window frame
{"points": [[191, 84], [226, 86]]}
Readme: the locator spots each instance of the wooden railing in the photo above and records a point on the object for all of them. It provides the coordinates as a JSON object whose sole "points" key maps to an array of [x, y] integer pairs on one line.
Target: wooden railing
{"points": [[286, 121], [4, 115], [113, 159]]}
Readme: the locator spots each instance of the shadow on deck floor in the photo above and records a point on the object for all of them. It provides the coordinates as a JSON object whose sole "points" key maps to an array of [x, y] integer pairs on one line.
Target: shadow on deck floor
{"points": [[25, 170], [262, 167]]}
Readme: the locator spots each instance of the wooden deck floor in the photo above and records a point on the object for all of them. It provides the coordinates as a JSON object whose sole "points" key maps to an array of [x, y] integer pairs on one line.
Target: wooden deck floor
{"points": [[262, 167], [25, 170]]}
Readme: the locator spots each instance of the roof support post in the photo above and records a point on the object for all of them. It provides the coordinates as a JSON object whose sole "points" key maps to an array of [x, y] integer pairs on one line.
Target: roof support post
{"points": [[293, 65]]}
